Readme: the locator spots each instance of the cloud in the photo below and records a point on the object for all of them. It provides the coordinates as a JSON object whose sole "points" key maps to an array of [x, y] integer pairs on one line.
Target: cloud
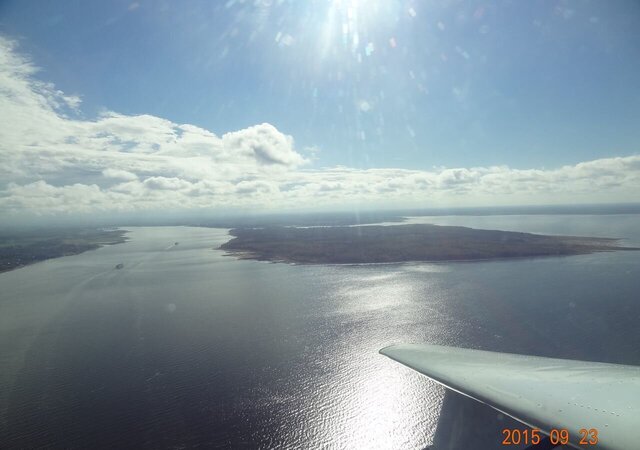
{"points": [[266, 144], [119, 174], [162, 183], [54, 162]]}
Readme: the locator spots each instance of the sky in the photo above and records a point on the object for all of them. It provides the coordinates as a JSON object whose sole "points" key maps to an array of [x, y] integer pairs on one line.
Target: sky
{"points": [[151, 106]]}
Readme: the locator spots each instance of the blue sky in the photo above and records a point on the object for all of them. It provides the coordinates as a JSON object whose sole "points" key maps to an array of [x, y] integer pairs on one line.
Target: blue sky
{"points": [[413, 85], [543, 83]]}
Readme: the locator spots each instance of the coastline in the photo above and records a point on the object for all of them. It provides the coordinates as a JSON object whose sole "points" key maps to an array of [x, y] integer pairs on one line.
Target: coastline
{"points": [[26, 250]]}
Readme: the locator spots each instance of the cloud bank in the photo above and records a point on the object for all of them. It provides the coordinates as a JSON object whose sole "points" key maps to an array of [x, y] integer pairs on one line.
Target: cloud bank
{"points": [[53, 162]]}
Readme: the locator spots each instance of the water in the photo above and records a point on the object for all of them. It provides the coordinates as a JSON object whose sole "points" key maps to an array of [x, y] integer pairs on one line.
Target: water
{"points": [[185, 347]]}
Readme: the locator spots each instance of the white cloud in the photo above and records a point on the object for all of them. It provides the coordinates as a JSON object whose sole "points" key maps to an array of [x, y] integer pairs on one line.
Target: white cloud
{"points": [[162, 183], [53, 162], [264, 143], [119, 174]]}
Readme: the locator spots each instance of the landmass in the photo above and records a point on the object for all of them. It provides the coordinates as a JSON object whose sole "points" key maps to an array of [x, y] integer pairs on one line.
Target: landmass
{"points": [[403, 243], [20, 248]]}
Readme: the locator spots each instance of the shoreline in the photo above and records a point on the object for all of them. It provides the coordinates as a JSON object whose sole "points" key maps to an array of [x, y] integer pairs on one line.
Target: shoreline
{"points": [[30, 250]]}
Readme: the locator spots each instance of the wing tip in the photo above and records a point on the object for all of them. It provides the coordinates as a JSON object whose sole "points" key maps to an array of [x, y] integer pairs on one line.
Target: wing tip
{"points": [[407, 347], [393, 351]]}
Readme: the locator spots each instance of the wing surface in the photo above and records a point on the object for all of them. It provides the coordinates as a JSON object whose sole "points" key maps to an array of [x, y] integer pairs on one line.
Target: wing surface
{"points": [[544, 393]]}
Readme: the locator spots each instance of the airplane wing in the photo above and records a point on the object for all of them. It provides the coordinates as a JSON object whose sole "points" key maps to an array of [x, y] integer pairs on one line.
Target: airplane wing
{"points": [[543, 393]]}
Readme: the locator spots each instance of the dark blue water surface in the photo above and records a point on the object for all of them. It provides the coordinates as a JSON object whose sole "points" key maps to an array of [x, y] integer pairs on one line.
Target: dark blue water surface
{"points": [[185, 347]]}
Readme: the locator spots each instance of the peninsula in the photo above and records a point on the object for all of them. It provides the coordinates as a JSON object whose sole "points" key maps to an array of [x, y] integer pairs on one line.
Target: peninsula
{"points": [[402, 243]]}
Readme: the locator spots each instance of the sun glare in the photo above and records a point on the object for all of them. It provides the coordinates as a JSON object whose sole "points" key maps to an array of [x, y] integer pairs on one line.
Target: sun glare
{"points": [[351, 25]]}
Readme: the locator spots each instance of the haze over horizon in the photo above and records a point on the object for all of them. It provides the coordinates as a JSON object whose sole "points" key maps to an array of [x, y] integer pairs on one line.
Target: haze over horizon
{"points": [[267, 106]]}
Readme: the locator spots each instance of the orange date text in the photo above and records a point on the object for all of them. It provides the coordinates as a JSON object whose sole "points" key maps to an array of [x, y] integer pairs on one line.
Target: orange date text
{"points": [[557, 436]]}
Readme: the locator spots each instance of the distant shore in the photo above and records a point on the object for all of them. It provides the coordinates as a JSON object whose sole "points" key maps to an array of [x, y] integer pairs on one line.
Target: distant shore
{"points": [[403, 243], [22, 249]]}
